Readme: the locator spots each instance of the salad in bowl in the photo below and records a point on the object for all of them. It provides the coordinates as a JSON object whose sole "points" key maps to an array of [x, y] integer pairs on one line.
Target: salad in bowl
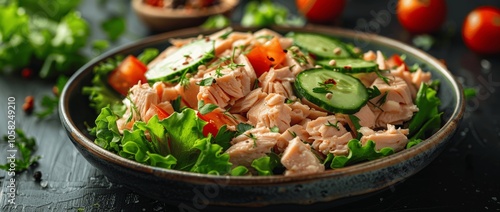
{"points": [[237, 103]]}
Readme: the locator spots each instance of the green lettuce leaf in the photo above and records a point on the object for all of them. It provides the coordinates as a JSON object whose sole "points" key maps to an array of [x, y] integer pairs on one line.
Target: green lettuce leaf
{"points": [[106, 131], [428, 112], [359, 153], [211, 159], [136, 147], [224, 137], [184, 130], [157, 133], [100, 94], [239, 171], [266, 164]]}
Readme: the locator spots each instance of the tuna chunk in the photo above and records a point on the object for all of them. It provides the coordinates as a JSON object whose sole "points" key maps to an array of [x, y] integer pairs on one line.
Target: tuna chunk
{"points": [[272, 112], [366, 117], [298, 159], [142, 105], [230, 85], [244, 104], [328, 135], [297, 61], [250, 145], [278, 81], [289, 134], [299, 112], [394, 105], [392, 137]]}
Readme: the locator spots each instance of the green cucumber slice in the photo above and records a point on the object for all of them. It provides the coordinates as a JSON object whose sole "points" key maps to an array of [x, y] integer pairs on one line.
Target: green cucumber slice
{"points": [[346, 96], [350, 65], [321, 46], [186, 59]]}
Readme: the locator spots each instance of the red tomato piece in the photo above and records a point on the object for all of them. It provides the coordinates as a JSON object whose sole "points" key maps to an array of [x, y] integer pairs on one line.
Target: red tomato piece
{"points": [[154, 3], [481, 30], [211, 127], [263, 57], [320, 11], [258, 59], [127, 74], [162, 114], [421, 16], [396, 61]]}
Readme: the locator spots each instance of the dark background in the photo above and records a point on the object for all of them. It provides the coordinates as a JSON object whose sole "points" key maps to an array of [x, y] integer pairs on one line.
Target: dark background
{"points": [[465, 177]]}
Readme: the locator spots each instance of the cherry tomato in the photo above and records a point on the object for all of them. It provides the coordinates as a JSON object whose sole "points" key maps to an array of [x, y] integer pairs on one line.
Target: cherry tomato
{"points": [[127, 74], [421, 16], [263, 57], [320, 11], [211, 126], [481, 30]]}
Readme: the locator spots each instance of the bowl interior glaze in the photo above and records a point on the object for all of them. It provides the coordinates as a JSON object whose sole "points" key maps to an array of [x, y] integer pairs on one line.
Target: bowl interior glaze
{"points": [[331, 187]]}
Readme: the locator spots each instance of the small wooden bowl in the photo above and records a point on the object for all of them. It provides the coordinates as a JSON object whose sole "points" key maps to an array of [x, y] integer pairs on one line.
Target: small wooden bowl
{"points": [[165, 19]]}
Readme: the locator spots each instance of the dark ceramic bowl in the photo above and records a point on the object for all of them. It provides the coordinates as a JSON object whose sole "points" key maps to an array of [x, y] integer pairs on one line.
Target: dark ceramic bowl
{"points": [[197, 191]]}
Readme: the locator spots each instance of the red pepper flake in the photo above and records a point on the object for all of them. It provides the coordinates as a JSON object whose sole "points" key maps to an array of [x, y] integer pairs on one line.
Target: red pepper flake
{"points": [[348, 67], [55, 90], [28, 105], [330, 81], [27, 73], [185, 63], [207, 39]]}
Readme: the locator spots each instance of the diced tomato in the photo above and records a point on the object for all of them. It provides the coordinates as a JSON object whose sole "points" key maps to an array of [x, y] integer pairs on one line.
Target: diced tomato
{"points": [[263, 57], [127, 74], [211, 127], [162, 114], [258, 59], [396, 61]]}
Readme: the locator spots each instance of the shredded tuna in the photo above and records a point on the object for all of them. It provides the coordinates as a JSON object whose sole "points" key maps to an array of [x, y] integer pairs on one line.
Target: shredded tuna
{"points": [[250, 145]]}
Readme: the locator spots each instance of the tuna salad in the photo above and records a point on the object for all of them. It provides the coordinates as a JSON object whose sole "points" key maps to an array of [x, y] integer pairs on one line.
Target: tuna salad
{"points": [[261, 103]]}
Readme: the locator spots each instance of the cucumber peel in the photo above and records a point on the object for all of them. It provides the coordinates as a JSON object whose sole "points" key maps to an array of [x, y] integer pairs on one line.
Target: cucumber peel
{"points": [[321, 46], [350, 65]]}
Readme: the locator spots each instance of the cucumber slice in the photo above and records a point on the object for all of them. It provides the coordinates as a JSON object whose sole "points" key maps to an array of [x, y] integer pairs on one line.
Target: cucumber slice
{"points": [[344, 94], [186, 59], [321, 46], [350, 65]]}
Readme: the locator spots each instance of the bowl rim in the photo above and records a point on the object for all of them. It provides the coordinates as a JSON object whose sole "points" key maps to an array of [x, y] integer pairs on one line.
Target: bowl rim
{"points": [[147, 10], [446, 130]]}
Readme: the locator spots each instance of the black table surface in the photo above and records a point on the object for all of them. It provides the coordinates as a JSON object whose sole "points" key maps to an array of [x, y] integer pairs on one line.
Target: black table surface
{"points": [[465, 177]]}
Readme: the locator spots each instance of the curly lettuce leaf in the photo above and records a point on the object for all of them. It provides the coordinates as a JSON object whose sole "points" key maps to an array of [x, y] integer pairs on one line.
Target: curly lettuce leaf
{"points": [[211, 159], [157, 133], [106, 131], [266, 164], [428, 117], [359, 153], [100, 94], [239, 171], [184, 129]]}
